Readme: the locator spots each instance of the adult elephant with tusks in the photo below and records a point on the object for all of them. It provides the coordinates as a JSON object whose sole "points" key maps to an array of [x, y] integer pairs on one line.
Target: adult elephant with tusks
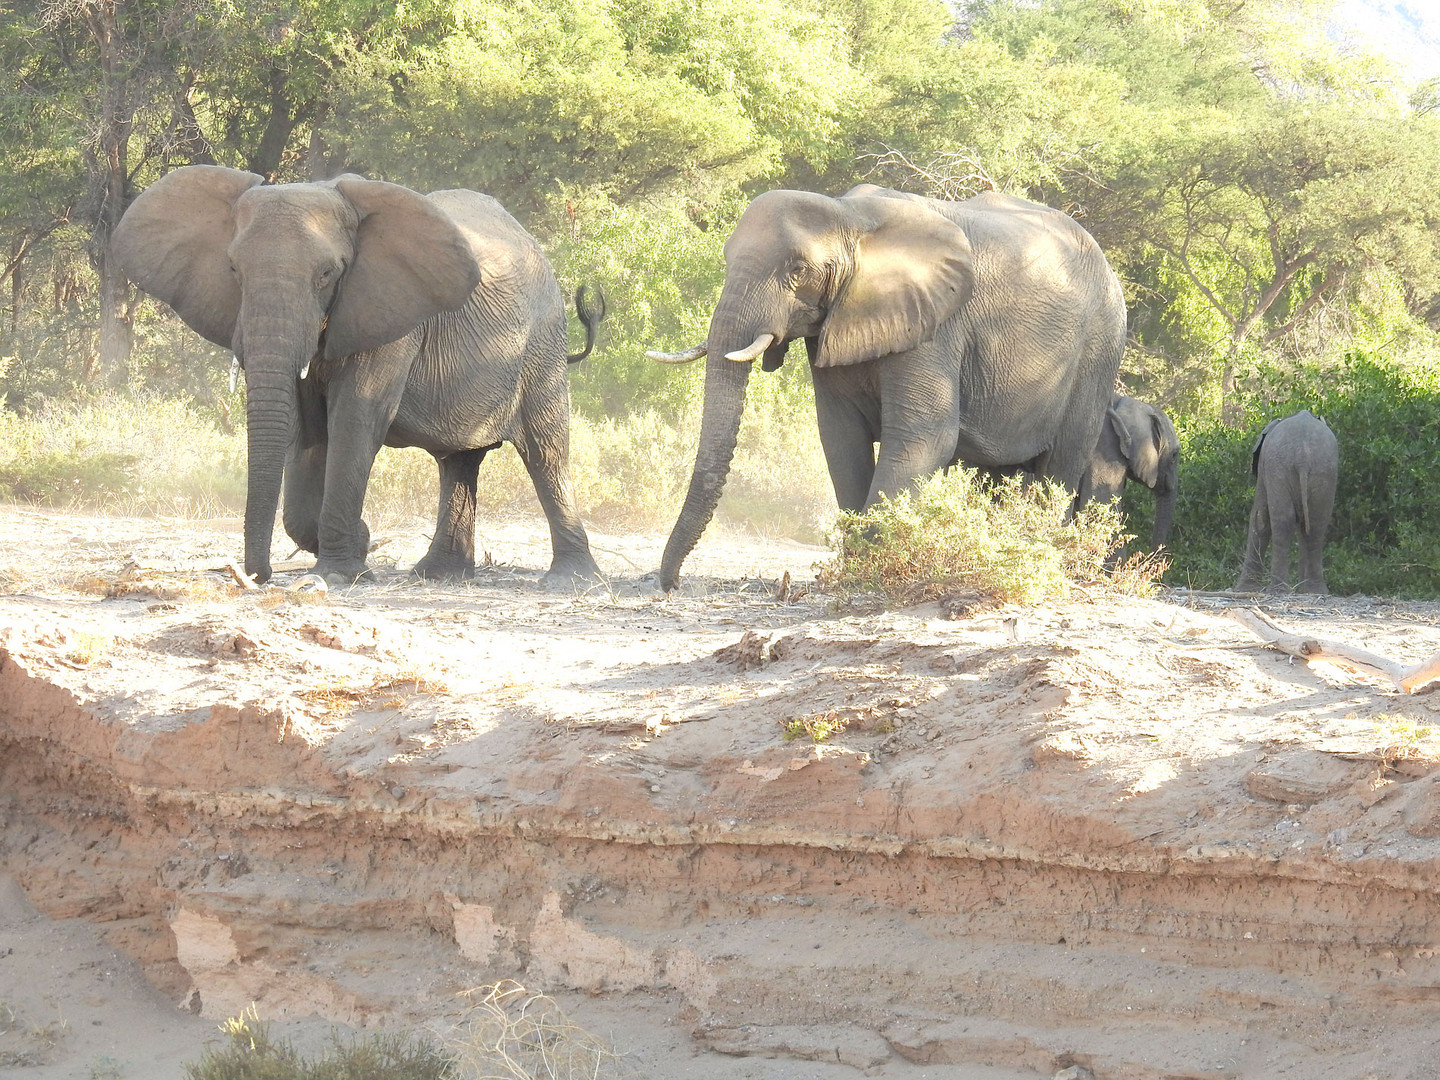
{"points": [[365, 313], [988, 330]]}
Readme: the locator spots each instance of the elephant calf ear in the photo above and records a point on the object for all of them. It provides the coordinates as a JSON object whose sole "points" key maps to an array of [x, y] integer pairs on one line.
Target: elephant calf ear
{"points": [[411, 262], [174, 243], [913, 270]]}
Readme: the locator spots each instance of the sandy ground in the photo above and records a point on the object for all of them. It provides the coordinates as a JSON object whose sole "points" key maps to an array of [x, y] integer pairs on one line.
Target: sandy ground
{"points": [[735, 832]]}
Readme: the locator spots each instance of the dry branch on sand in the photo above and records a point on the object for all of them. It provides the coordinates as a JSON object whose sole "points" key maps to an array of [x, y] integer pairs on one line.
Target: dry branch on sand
{"points": [[1408, 679]]}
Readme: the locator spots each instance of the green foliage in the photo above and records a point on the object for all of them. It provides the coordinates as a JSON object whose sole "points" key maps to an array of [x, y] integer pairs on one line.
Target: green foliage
{"points": [[661, 275], [1012, 540], [123, 453], [60, 478], [1383, 538], [250, 1052]]}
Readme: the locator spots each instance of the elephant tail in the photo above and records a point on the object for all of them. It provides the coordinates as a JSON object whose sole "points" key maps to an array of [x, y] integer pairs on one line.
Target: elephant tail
{"points": [[590, 318], [1304, 501]]}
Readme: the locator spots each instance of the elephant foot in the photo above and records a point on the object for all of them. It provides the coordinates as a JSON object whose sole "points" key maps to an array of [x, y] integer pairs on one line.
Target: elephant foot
{"points": [[336, 572], [1277, 588], [433, 568], [1246, 585], [571, 573], [1316, 587]]}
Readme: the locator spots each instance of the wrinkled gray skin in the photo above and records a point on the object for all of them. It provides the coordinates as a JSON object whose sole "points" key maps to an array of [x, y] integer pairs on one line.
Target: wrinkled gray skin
{"points": [[365, 314], [988, 330], [1137, 442], [1295, 462]]}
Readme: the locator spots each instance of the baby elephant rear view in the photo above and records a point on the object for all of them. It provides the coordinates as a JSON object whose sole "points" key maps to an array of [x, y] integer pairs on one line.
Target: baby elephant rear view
{"points": [[1296, 461]]}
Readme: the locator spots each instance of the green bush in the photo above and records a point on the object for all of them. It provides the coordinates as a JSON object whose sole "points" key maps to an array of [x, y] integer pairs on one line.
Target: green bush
{"points": [[1009, 539], [1385, 536], [251, 1053]]}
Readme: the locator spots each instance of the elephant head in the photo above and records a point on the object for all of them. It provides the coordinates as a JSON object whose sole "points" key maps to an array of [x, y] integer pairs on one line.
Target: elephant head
{"points": [[859, 277], [285, 274], [1145, 440]]}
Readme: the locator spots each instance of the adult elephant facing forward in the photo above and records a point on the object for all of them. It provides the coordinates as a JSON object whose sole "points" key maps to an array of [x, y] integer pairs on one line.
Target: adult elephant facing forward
{"points": [[364, 314], [988, 330]]}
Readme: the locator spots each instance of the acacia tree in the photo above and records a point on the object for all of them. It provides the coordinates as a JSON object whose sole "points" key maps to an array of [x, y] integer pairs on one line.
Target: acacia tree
{"points": [[1272, 218]]}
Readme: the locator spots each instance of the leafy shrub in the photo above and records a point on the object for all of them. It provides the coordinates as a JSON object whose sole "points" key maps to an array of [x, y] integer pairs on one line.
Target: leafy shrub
{"points": [[250, 1052], [955, 531], [1384, 538]]}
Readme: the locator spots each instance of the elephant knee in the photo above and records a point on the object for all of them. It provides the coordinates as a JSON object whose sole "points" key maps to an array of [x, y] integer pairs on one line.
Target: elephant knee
{"points": [[305, 531]]}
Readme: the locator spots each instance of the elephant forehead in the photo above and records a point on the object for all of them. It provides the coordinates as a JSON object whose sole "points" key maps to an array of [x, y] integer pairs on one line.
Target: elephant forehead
{"points": [[787, 222], [294, 214]]}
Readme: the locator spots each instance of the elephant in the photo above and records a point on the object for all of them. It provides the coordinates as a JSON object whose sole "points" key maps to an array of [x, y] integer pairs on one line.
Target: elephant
{"points": [[988, 330], [1137, 442], [1295, 462], [364, 313]]}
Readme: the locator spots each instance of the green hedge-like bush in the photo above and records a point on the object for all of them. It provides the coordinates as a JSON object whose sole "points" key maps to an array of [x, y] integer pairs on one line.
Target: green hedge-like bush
{"points": [[956, 531], [1385, 536]]}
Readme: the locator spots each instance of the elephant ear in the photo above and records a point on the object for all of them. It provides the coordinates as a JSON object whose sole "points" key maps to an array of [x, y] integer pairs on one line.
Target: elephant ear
{"points": [[1142, 458], [1255, 451], [912, 271], [411, 262], [173, 242]]}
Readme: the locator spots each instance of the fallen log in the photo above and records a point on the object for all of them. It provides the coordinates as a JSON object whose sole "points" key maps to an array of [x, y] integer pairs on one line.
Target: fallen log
{"points": [[1311, 649]]}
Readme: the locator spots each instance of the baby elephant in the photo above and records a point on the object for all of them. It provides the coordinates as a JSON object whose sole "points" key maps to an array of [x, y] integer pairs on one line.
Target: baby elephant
{"points": [[1137, 442], [1295, 462]]}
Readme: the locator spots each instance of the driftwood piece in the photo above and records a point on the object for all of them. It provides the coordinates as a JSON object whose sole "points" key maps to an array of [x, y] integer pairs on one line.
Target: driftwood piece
{"points": [[244, 580], [1310, 649]]}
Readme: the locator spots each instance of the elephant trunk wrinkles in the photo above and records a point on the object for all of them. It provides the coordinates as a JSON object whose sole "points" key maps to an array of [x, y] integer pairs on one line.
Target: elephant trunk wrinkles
{"points": [[1164, 512], [725, 383], [270, 410]]}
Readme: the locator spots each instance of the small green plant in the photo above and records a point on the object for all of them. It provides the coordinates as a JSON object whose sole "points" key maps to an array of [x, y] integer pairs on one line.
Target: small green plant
{"points": [[1402, 737], [1015, 541], [251, 1053], [88, 648], [106, 1067], [816, 728]]}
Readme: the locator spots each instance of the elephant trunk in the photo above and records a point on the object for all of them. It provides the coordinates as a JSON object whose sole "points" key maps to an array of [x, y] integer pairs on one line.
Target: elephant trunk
{"points": [[1165, 492], [725, 383], [270, 410], [276, 352]]}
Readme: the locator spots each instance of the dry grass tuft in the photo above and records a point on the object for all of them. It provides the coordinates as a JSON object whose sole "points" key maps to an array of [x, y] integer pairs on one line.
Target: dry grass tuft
{"points": [[340, 699], [25, 1044], [511, 1033]]}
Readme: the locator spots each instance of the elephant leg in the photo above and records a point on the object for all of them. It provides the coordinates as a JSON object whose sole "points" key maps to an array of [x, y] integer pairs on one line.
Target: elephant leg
{"points": [[849, 423], [361, 402], [452, 551], [305, 471], [1284, 525], [1256, 542], [1312, 540], [544, 447], [919, 419]]}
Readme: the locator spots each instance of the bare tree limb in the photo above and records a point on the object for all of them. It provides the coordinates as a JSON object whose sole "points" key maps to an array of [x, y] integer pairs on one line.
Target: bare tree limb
{"points": [[1406, 679]]}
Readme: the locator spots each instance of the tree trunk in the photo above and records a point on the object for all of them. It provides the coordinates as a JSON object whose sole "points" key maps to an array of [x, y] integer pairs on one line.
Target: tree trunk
{"points": [[116, 121]]}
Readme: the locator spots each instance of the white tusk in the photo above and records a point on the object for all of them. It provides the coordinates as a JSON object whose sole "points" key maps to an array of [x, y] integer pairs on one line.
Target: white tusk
{"points": [[234, 370], [754, 349], [685, 357], [305, 370]]}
